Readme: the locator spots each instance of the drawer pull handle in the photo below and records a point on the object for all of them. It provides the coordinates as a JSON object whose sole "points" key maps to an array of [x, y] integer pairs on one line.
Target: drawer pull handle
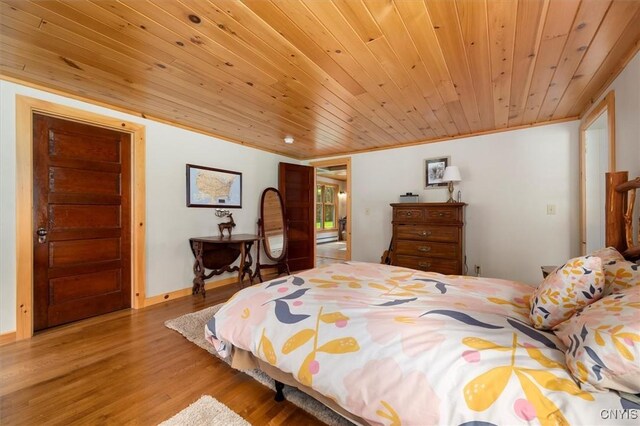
{"points": [[408, 213], [424, 249], [441, 214], [424, 264], [424, 233]]}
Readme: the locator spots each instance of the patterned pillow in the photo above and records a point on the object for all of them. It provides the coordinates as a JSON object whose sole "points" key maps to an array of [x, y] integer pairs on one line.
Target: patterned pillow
{"points": [[607, 254], [570, 287], [620, 275], [603, 343]]}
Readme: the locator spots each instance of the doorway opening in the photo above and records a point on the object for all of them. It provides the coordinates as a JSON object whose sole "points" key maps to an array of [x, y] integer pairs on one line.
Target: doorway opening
{"points": [[332, 211], [597, 156]]}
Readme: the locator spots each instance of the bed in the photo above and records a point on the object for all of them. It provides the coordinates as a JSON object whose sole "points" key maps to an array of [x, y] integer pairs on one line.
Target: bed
{"points": [[385, 345], [366, 336]]}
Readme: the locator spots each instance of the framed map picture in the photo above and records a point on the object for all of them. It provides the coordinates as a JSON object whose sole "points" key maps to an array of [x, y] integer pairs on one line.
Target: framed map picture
{"points": [[208, 187]]}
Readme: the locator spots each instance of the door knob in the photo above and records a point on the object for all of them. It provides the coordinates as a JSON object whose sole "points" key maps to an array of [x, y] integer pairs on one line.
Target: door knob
{"points": [[42, 235]]}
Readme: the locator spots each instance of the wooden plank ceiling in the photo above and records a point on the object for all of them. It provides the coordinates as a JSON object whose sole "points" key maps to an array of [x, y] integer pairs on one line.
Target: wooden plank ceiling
{"points": [[339, 76]]}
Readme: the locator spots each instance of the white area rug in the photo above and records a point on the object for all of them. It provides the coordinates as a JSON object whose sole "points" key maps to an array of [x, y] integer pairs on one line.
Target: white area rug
{"points": [[192, 325], [207, 411]]}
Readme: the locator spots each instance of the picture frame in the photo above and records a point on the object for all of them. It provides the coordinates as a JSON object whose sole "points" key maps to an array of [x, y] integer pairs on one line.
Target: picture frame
{"points": [[215, 188], [434, 171]]}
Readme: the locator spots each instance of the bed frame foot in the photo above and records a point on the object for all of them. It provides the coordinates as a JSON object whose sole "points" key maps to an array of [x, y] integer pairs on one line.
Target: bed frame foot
{"points": [[279, 395]]}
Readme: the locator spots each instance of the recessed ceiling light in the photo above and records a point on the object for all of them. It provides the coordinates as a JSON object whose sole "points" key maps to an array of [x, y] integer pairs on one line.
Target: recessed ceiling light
{"points": [[288, 139]]}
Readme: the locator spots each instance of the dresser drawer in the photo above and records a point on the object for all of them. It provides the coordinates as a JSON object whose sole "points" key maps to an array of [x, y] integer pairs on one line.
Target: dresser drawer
{"points": [[426, 248], [408, 214], [441, 214], [445, 234], [442, 266]]}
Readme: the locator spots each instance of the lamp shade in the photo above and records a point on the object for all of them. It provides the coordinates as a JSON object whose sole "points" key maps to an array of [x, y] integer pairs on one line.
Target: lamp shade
{"points": [[451, 174]]}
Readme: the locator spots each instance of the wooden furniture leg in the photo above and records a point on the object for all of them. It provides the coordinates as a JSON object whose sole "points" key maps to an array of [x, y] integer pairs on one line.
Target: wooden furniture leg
{"points": [[257, 272], [248, 262], [245, 262], [279, 394], [241, 271], [218, 254], [198, 269]]}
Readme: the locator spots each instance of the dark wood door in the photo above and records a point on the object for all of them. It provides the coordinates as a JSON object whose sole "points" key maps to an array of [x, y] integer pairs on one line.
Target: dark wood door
{"points": [[296, 184], [81, 195]]}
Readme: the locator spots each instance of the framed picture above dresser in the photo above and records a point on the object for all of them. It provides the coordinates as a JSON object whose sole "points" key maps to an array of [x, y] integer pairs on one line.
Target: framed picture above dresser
{"points": [[429, 237]]}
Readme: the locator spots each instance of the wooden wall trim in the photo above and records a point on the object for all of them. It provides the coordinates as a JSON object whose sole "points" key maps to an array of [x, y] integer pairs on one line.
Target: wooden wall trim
{"points": [[138, 232], [24, 225], [184, 292], [338, 162], [608, 103], [6, 338], [615, 205], [25, 107]]}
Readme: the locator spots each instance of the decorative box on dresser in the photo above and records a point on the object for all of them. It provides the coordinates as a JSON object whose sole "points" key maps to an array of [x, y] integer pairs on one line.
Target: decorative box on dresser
{"points": [[429, 237]]}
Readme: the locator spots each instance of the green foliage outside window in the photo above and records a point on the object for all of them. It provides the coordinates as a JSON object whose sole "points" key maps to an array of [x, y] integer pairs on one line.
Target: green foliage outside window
{"points": [[326, 206]]}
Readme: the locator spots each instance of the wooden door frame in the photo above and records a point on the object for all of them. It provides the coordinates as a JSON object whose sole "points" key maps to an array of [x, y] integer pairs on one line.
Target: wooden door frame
{"points": [[608, 104], [25, 108], [342, 161]]}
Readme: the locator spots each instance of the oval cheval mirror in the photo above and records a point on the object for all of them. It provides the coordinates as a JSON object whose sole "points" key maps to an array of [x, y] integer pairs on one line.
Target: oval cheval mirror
{"points": [[273, 230]]}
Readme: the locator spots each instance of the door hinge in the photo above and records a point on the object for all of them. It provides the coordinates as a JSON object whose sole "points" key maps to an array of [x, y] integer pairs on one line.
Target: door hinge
{"points": [[51, 180], [52, 142]]}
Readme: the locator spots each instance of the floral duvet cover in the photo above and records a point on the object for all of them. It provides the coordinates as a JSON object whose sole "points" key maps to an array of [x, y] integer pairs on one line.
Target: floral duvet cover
{"points": [[397, 346]]}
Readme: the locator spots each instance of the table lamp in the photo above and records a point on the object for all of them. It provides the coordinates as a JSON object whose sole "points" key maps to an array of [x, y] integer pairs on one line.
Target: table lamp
{"points": [[451, 174]]}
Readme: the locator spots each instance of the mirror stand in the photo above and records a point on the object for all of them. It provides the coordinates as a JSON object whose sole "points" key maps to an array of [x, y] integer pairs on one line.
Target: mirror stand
{"points": [[282, 265], [273, 230]]}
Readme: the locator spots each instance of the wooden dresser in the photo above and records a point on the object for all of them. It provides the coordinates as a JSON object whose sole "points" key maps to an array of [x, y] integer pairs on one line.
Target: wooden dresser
{"points": [[429, 237]]}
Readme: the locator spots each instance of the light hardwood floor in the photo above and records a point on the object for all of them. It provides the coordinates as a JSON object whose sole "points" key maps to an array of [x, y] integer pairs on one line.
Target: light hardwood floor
{"points": [[127, 368], [330, 253]]}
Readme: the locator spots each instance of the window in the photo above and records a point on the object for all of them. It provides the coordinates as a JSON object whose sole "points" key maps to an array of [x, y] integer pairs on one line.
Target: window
{"points": [[326, 201]]}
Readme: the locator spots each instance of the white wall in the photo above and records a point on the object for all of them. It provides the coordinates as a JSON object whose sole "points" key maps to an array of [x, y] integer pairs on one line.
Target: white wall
{"points": [[508, 179], [627, 94], [169, 222], [627, 88], [596, 165]]}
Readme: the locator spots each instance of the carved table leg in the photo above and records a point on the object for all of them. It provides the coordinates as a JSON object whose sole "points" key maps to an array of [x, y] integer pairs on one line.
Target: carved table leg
{"points": [[241, 271], [249, 261], [257, 272], [245, 262], [198, 269]]}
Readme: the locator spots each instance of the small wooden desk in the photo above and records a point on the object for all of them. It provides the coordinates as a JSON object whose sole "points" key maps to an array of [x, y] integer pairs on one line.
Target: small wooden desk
{"points": [[217, 254]]}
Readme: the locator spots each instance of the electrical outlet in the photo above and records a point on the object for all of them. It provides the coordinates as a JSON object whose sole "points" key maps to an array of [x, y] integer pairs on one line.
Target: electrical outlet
{"points": [[551, 209]]}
